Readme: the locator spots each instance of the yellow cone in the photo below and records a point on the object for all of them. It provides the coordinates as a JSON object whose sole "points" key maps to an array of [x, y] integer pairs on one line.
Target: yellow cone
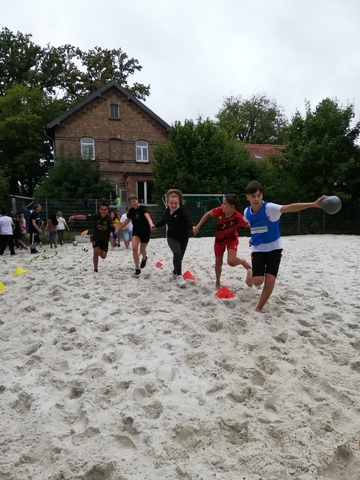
{"points": [[19, 271], [2, 287]]}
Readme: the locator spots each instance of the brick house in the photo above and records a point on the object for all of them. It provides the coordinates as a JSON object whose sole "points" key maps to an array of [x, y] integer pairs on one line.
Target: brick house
{"points": [[261, 151], [118, 130]]}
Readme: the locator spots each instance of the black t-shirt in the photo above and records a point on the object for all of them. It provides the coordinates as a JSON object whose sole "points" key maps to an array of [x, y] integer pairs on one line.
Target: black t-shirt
{"points": [[141, 226], [101, 226], [34, 216]]}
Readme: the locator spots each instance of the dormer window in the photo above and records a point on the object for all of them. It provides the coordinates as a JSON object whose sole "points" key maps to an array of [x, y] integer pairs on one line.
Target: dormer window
{"points": [[114, 111]]}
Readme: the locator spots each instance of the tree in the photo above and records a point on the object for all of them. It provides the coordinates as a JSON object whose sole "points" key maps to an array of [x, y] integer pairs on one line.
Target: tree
{"points": [[75, 177], [256, 120], [4, 189], [24, 152], [56, 70], [321, 151], [201, 158]]}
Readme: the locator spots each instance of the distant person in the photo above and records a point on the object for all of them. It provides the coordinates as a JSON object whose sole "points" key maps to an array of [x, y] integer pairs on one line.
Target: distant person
{"points": [[118, 204], [142, 224], [114, 229], [23, 228], [229, 220], [101, 234], [26, 212], [51, 227], [60, 227], [35, 227], [17, 232], [127, 230], [266, 244], [179, 222], [6, 232]]}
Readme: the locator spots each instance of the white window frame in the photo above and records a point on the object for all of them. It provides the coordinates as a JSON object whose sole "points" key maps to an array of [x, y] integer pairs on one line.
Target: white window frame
{"points": [[112, 107], [144, 200], [142, 151], [87, 148]]}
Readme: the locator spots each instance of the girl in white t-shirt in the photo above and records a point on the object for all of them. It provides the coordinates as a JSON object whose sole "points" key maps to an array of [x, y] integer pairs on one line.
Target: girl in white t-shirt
{"points": [[61, 227]]}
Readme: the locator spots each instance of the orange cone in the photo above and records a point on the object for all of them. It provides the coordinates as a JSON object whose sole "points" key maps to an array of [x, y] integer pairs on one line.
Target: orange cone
{"points": [[188, 276], [224, 292], [159, 265]]}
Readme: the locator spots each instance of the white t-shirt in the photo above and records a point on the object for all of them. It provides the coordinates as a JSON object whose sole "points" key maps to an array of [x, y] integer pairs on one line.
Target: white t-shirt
{"points": [[61, 223], [129, 226], [273, 213], [6, 225]]}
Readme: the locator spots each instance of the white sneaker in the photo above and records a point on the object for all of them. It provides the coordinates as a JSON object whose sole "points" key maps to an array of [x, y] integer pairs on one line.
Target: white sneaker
{"points": [[181, 281]]}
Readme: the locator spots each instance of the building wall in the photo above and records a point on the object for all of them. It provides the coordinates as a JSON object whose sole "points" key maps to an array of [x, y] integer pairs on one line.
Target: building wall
{"points": [[114, 138]]}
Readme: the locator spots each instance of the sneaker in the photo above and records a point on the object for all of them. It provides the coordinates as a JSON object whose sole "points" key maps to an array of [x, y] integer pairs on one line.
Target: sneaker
{"points": [[34, 251], [143, 262], [181, 281], [137, 273]]}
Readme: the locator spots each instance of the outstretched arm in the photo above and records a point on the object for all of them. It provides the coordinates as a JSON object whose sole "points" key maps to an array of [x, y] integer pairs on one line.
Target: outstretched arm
{"points": [[205, 217], [77, 217], [297, 207], [148, 218]]}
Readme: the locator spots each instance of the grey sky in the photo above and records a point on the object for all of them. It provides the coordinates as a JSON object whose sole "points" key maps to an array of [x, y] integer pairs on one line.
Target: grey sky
{"points": [[196, 52]]}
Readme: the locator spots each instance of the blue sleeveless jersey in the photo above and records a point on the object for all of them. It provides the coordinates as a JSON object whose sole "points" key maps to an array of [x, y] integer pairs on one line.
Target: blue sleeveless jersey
{"points": [[262, 229]]}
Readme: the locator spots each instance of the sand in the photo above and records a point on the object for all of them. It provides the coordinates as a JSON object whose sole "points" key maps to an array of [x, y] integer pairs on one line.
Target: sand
{"points": [[104, 376]]}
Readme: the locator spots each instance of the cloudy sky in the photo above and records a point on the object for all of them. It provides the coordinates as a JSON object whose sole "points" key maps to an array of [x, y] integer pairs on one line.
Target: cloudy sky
{"points": [[196, 52]]}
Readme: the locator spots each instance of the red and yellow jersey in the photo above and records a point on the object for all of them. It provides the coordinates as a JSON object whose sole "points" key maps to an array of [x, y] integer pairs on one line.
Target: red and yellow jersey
{"points": [[227, 227]]}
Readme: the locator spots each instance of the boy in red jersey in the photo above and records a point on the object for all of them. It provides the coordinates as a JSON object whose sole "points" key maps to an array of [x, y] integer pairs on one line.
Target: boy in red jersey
{"points": [[229, 220]]}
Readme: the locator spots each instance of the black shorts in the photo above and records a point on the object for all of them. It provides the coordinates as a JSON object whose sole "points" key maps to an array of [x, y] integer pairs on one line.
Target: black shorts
{"points": [[144, 236], [266, 262], [102, 244], [34, 237]]}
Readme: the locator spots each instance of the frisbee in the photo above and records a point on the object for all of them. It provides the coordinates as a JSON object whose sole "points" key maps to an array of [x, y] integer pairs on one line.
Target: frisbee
{"points": [[331, 204]]}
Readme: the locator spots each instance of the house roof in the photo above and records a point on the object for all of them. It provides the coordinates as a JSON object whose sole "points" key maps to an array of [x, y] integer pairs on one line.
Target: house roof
{"points": [[98, 93], [260, 151]]}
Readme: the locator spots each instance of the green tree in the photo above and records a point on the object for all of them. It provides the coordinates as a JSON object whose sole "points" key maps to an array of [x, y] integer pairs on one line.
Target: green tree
{"points": [[321, 151], [65, 70], [24, 152], [75, 177], [201, 158], [4, 189], [256, 120]]}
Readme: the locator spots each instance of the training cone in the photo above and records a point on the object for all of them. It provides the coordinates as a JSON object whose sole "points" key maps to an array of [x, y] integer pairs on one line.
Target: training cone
{"points": [[2, 287], [188, 275], [19, 271], [224, 292], [159, 265]]}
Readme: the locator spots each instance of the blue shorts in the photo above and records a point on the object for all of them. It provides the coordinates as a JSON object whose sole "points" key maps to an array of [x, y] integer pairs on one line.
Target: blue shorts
{"points": [[127, 234]]}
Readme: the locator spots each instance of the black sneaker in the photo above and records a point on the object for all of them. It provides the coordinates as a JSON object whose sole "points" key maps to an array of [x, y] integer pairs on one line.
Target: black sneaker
{"points": [[34, 251], [137, 273], [143, 262]]}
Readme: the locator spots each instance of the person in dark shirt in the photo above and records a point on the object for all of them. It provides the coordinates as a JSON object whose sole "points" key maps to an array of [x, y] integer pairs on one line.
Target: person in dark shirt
{"points": [[179, 222], [142, 225], [101, 235]]}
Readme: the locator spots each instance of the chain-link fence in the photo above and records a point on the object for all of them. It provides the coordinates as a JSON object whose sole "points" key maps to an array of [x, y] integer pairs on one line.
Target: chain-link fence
{"points": [[311, 221]]}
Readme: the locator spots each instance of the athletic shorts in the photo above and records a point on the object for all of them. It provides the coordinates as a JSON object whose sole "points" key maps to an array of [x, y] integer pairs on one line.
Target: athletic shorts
{"points": [[144, 237], [34, 238], [220, 249], [102, 244], [266, 262]]}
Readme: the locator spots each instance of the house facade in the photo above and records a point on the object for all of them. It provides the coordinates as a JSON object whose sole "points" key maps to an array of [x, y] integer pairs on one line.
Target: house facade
{"points": [[118, 130]]}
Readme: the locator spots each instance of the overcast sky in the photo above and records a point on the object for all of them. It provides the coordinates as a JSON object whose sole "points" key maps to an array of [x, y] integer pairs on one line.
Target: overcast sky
{"points": [[196, 52]]}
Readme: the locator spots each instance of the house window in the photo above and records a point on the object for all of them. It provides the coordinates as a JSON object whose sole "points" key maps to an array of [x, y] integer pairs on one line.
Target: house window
{"points": [[145, 193], [142, 151], [114, 111], [88, 148]]}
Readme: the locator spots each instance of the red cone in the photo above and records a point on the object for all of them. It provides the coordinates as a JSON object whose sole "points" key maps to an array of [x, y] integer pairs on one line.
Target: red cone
{"points": [[188, 276], [159, 265], [224, 292]]}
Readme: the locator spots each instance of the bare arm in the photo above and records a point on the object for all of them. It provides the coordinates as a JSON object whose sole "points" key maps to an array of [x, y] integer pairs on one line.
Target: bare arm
{"points": [[205, 217], [148, 218], [297, 207], [33, 221], [77, 217]]}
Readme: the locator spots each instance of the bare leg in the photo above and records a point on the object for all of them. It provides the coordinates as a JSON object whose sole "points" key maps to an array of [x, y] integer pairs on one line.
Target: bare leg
{"points": [[218, 269], [136, 243], [233, 260], [266, 291]]}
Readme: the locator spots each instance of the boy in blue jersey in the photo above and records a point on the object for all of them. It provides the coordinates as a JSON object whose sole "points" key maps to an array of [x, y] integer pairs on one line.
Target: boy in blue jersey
{"points": [[264, 219]]}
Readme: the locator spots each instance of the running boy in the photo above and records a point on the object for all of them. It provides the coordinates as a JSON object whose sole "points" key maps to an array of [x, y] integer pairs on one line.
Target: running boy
{"points": [[142, 224], [229, 220], [101, 235], [264, 219]]}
